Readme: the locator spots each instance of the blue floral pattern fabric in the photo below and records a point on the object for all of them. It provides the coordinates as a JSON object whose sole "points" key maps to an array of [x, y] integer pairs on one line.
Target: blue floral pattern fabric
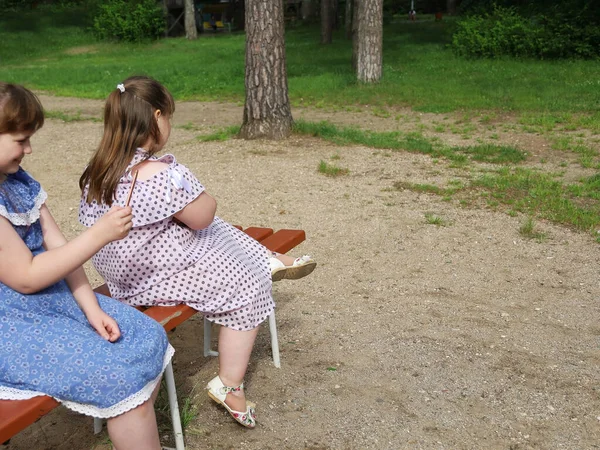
{"points": [[47, 345]]}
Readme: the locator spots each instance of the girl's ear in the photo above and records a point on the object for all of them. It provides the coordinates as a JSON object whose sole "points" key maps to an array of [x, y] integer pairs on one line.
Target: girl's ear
{"points": [[157, 114]]}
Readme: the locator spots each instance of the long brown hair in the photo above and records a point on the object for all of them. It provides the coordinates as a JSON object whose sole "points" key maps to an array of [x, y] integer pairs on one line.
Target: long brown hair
{"points": [[20, 109], [128, 124]]}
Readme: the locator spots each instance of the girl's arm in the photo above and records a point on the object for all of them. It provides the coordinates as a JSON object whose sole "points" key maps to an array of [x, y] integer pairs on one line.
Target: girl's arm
{"points": [[23, 272], [78, 282], [200, 213]]}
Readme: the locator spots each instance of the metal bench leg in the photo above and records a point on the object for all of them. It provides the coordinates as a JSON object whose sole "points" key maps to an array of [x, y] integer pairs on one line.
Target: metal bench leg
{"points": [[274, 340], [98, 425], [172, 394], [173, 405], [208, 338]]}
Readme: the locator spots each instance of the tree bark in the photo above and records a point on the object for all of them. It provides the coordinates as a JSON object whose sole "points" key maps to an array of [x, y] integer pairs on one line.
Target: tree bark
{"points": [[335, 7], [191, 32], [348, 19], [370, 41], [267, 112], [450, 7], [326, 22], [355, 19], [307, 9]]}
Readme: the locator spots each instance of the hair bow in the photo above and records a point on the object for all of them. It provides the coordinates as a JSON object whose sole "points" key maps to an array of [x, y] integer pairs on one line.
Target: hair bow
{"points": [[121, 87]]}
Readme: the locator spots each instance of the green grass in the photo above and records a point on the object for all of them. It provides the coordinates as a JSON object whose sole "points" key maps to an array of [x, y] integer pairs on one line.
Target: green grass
{"points": [[419, 70], [526, 191], [528, 230], [495, 154], [539, 194], [65, 117], [331, 170], [432, 219], [220, 135], [411, 142]]}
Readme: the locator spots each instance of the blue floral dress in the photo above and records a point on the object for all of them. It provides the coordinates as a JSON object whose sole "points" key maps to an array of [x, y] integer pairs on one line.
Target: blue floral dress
{"points": [[47, 346]]}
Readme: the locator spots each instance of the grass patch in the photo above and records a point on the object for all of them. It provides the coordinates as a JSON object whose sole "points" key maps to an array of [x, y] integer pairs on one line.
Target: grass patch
{"points": [[432, 219], [66, 117], [220, 135], [411, 142], [495, 154], [331, 170], [423, 188], [527, 230], [539, 194]]}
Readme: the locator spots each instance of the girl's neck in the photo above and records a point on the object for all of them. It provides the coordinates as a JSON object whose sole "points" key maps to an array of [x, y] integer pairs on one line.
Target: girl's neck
{"points": [[2, 177]]}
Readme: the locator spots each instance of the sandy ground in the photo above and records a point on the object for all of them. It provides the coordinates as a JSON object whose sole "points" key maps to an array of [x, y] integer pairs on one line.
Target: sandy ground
{"points": [[408, 335]]}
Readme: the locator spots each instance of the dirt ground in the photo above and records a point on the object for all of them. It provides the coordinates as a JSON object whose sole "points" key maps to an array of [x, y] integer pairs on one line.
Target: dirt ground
{"points": [[408, 335]]}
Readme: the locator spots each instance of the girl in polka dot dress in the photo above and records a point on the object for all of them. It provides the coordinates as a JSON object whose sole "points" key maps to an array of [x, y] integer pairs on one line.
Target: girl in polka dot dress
{"points": [[178, 251], [93, 354]]}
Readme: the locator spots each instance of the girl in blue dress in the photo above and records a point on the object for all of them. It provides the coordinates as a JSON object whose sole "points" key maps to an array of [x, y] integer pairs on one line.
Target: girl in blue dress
{"points": [[95, 355]]}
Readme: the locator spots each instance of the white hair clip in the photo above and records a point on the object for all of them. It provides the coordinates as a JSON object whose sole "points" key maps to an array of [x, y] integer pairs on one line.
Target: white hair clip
{"points": [[121, 87]]}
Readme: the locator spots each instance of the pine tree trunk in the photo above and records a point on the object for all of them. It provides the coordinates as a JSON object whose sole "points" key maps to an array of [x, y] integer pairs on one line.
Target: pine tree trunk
{"points": [[355, 19], [267, 112], [348, 19], [307, 8], [191, 32], [326, 21], [335, 8], [450, 7], [370, 41]]}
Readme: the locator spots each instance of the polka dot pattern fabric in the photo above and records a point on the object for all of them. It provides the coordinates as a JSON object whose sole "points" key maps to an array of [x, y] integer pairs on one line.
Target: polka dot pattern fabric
{"points": [[219, 271]]}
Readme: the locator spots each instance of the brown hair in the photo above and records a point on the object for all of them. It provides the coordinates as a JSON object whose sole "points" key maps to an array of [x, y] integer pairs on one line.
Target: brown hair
{"points": [[20, 109], [128, 124]]}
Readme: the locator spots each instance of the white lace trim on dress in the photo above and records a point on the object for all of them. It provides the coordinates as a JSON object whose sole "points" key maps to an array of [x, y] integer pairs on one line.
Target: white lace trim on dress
{"points": [[29, 217], [133, 401]]}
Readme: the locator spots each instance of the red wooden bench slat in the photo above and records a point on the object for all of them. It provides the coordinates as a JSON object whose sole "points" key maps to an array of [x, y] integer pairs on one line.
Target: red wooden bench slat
{"points": [[284, 240], [16, 415], [258, 233], [170, 316]]}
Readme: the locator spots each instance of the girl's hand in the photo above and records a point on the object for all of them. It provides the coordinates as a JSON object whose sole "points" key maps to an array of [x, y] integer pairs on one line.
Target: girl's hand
{"points": [[115, 224], [105, 325]]}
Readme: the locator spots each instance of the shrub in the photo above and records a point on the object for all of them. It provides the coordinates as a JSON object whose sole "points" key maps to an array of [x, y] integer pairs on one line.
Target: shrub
{"points": [[506, 32], [502, 32], [129, 20]]}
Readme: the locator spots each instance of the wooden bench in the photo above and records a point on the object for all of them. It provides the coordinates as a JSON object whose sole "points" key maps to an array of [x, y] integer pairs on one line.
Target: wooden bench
{"points": [[16, 415]]}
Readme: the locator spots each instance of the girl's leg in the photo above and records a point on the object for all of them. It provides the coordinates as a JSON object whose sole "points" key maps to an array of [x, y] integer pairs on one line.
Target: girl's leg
{"points": [[235, 348], [284, 266], [135, 429], [285, 259]]}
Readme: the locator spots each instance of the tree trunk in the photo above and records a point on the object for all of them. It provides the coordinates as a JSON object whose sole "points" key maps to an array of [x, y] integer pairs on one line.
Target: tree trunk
{"points": [[355, 19], [450, 7], [325, 21], [348, 19], [236, 14], [267, 112], [307, 8], [370, 41], [191, 32], [335, 7]]}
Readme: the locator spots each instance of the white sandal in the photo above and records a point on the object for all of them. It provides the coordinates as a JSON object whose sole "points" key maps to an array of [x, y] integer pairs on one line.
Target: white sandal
{"points": [[300, 268], [218, 392]]}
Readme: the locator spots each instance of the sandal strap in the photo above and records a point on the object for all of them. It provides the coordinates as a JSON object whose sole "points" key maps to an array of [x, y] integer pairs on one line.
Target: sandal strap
{"points": [[302, 260], [228, 389]]}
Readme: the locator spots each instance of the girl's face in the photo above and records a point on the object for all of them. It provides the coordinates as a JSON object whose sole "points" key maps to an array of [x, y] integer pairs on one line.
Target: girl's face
{"points": [[13, 148]]}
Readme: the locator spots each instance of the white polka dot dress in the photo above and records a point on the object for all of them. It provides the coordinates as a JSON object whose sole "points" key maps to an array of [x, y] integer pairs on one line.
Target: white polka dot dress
{"points": [[219, 271]]}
